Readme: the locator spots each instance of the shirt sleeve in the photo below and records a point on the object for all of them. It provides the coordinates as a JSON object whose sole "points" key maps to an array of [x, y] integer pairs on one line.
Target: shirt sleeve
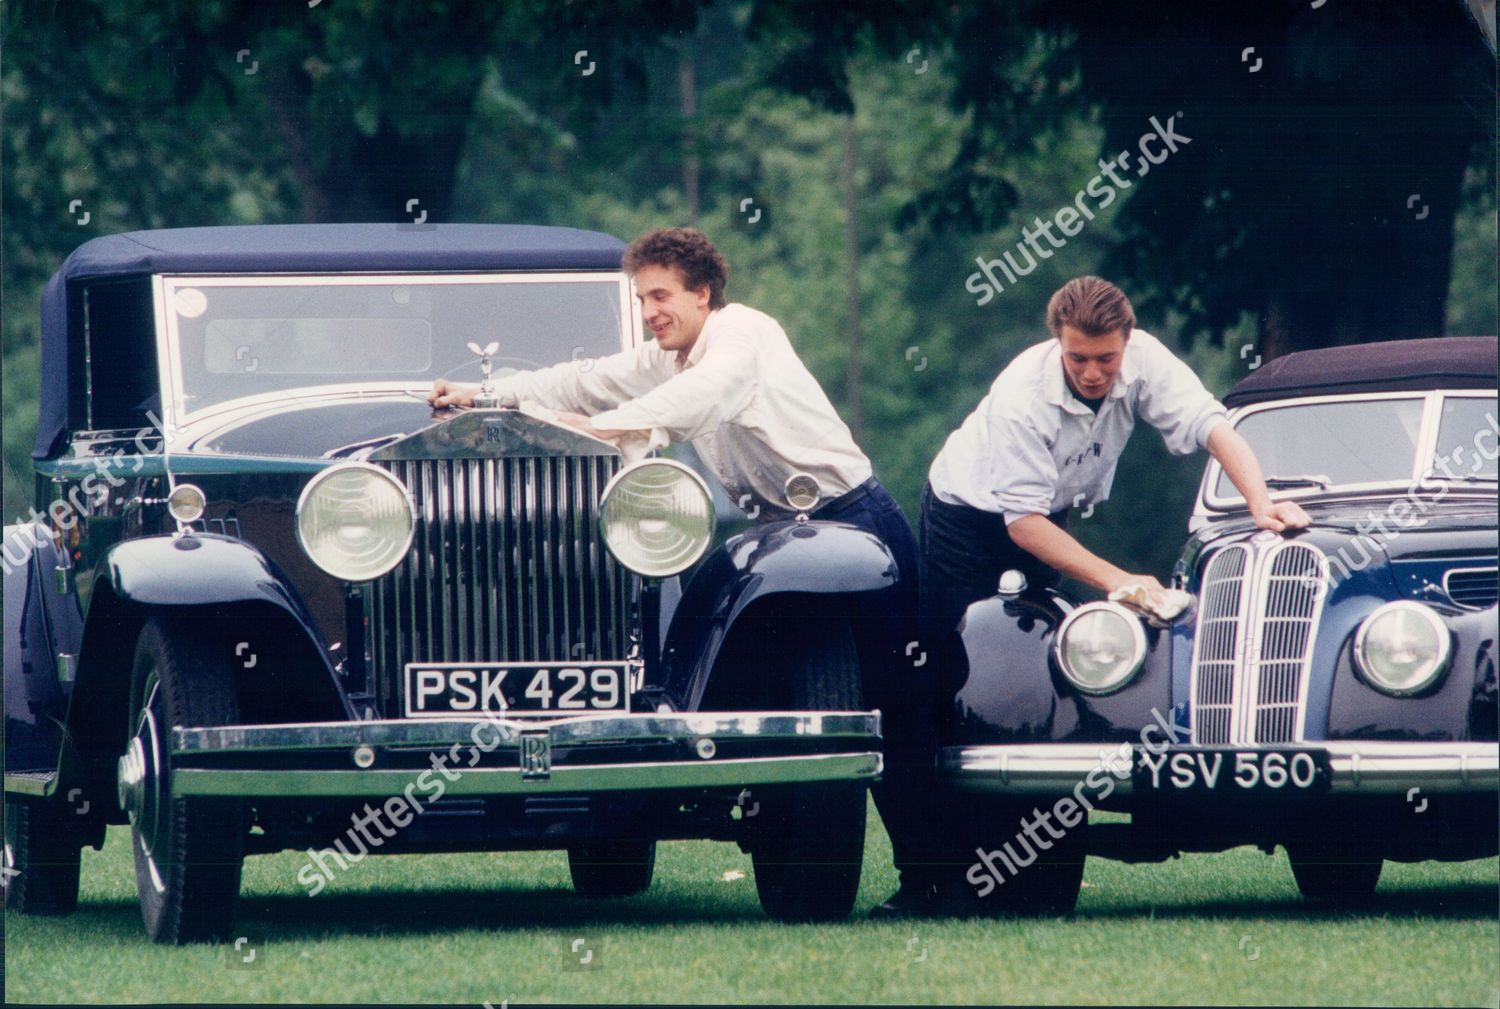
{"points": [[1175, 402], [697, 400], [589, 386], [1022, 470]]}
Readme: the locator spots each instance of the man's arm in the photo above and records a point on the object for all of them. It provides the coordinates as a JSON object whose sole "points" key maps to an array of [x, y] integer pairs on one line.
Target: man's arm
{"points": [[1234, 453], [588, 386], [1058, 549]]}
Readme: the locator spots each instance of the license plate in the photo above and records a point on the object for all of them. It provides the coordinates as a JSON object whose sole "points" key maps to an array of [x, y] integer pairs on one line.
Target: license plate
{"points": [[1228, 772], [443, 690]]}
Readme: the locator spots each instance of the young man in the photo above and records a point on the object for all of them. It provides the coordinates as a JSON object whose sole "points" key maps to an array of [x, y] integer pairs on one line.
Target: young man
{"points": [[725, 378], [1046, 439]]}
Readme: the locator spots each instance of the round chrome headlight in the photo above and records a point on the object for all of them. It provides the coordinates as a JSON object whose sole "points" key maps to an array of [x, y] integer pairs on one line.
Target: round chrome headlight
{"points": [[186, 503], [1100, 646], [657, 517], [355, 521], [1402, 648]]}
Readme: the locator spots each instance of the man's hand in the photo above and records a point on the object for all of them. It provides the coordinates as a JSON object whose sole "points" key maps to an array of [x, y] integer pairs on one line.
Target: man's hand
{"points": [[1281, 516], [445, 393], [1153, 587]]}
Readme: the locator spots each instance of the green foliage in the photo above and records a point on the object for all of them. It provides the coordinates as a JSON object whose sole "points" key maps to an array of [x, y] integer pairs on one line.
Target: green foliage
{"points": [[969, 122]]}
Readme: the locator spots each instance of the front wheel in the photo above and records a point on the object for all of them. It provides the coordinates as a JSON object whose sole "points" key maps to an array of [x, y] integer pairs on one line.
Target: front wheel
{"points": [[188, 850], [612, 868], [1332, 878], [808, 839], [42, 855]]}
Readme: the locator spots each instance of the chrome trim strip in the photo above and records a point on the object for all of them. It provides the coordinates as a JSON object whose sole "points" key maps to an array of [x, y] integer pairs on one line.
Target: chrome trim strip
{"points": [[1358, 768], [571, 731], [510, 780]]}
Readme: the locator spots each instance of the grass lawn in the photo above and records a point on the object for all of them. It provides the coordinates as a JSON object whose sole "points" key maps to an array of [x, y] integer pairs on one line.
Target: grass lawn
{"points": [[1205, 929]]}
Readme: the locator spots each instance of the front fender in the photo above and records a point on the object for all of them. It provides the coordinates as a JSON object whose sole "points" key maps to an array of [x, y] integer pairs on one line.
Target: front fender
{"points": [[197, 569], [1008, 690], [820, 558]]}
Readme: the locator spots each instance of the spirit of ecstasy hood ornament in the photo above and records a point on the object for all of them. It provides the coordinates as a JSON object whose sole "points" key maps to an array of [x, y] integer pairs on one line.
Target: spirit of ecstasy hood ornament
{"points": [[486, 395]]}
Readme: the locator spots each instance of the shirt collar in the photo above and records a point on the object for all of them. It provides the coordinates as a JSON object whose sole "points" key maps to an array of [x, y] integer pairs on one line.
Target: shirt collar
{"points": [[1055, 387], [700, 345]]}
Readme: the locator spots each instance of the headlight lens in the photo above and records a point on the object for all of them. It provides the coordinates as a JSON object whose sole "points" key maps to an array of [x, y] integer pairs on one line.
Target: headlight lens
{"points": [[657, 517], [355, 521], [1402, 648], [1100, 646]]}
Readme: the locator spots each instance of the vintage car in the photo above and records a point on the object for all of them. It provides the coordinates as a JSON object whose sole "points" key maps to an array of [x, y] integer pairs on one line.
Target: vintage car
{"points": [[269, 597], [1331, 690]]}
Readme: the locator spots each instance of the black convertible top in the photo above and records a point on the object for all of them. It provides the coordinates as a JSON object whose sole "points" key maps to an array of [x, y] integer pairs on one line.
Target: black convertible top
{"points": [[1393, 366], [293, 248]]}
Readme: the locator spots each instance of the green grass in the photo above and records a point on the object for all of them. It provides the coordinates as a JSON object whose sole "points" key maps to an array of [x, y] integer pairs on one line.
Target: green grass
{"points": [[1205, 929]]}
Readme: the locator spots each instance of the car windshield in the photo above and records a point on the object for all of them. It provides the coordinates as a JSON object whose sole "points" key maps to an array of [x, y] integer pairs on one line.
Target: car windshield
{"points": [[1467, 438], [235, 337], [1363, 442]]}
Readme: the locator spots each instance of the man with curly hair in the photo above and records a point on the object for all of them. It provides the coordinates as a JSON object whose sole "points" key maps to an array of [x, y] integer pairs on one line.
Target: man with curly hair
{"points": [[725, 378]]}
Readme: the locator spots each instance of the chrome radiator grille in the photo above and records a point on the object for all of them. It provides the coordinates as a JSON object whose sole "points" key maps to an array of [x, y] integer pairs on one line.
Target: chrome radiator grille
{"points": [[1257, 621], [506, 564]]}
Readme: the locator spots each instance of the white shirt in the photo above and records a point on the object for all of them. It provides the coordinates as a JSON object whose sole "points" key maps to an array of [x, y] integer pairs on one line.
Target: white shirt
{"points": [[743, 398], [1032, 448]]}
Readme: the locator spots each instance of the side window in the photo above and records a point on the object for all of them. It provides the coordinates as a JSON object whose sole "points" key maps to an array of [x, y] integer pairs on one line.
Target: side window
{"points": [[121, 345]]}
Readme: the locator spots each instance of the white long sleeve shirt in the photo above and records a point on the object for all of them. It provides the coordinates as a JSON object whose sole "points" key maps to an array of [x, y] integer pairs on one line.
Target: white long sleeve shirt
{"points": [[743, 398], [1031, 447]]}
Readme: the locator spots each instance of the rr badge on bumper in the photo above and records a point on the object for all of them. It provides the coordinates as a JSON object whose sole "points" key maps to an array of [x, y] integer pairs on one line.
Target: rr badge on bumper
{"points": [[536, 754]]}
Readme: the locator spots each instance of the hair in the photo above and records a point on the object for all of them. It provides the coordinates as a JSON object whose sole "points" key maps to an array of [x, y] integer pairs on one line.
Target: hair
{"points": [[1092, 306], [687, 249]]}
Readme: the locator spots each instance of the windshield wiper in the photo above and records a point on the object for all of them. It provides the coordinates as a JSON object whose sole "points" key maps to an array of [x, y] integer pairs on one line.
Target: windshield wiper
{"points": [[1320, 481]]}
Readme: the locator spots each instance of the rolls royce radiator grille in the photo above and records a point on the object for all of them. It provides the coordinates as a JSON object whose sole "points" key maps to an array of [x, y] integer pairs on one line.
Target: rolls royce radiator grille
{"points": [[1257, 620], [506, 564]]}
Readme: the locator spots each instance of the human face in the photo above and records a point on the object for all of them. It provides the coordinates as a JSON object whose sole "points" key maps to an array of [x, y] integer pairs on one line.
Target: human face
{"points": [[1090, 363], [673, 313]]}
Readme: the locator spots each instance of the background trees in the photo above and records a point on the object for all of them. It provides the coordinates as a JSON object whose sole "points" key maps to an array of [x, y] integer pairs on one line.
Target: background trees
{"points": [[884, 146]]}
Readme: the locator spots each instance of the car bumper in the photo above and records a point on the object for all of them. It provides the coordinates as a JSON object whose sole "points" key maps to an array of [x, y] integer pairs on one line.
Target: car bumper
{"points": [[1355, 768], [590, 753]]}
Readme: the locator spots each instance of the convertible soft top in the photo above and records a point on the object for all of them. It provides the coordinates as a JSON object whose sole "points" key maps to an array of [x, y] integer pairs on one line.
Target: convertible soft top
{"points": [[295, 248], [1393, 366]]}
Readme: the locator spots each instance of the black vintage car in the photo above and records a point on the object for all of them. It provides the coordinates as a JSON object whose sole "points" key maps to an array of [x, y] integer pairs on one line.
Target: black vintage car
{"points": [[269, 600], [1331, 690]]}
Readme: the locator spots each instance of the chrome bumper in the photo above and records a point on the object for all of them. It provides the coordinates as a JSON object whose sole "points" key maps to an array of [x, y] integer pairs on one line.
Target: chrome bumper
{"points": [[481, 756], [1356, 768]]}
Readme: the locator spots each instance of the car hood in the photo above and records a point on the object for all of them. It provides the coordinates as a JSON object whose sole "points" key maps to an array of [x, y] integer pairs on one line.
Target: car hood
{"points": [[1430, 537]]}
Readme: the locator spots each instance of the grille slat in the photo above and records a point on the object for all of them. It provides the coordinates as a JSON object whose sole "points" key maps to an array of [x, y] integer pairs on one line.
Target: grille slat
{"points": [[1472, 588], [504, 560], [1258, 616]]}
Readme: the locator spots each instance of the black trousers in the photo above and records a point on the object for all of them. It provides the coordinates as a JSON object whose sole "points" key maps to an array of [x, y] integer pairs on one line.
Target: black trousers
{"points": [[963, 553]]}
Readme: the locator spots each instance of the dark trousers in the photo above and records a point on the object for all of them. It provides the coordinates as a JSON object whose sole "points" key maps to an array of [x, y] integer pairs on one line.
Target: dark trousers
{"points": [[897, 674], [964, 551]]}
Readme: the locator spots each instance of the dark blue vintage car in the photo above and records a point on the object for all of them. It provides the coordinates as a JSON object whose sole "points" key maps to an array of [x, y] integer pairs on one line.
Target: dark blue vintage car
{"points": [[1332, 690], [269, 600]]}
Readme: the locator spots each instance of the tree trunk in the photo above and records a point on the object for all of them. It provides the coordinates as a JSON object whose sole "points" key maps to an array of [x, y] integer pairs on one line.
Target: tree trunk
{"points": [[687, 87], [854, 368]]}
